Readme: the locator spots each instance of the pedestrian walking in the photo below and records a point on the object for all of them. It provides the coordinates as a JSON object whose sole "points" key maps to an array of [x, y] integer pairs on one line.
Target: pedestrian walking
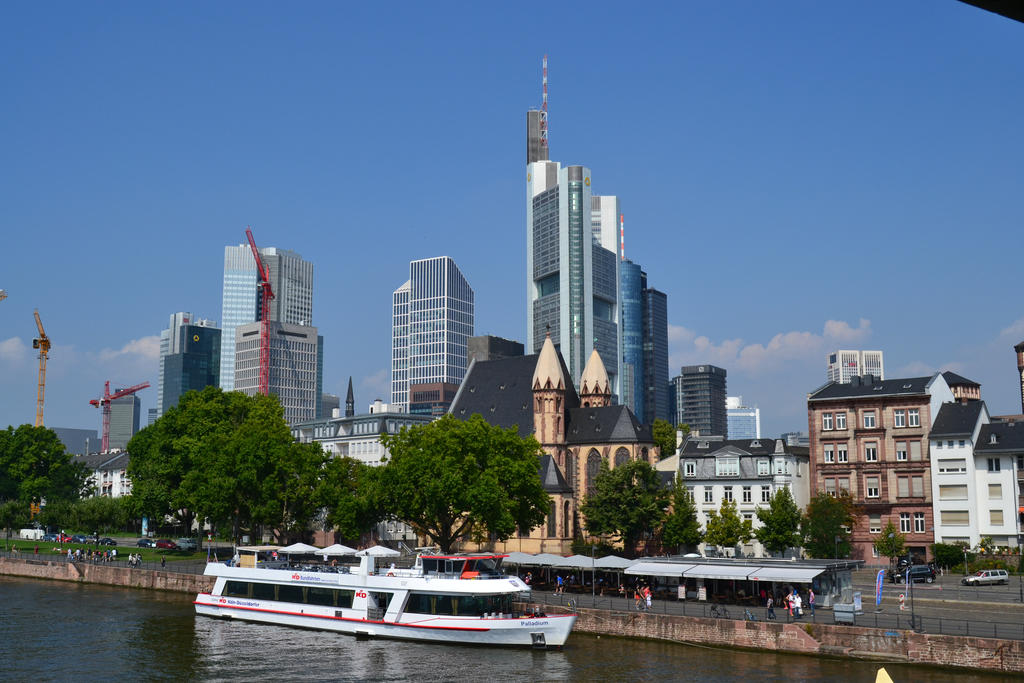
{"points": [[810, 600], [797, 604], [163, 562], [647, 597], [789, 605], [560, 588], [637, 603], [771, 608]]}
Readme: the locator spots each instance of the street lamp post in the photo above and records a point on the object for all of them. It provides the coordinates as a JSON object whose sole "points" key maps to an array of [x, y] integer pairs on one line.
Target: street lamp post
{"points": [[965, 560], [837, 546]]}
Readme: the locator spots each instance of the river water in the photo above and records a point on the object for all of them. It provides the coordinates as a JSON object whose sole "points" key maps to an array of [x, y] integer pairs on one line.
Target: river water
{"points": [[59, 631]]}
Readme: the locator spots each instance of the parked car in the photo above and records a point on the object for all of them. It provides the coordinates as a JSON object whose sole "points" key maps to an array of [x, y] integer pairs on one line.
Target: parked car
{"points": [[918, 573], [986, 577], [166, 544], [188, 544], [79, 538], [50, 538], [146, 543], [107, 541]]}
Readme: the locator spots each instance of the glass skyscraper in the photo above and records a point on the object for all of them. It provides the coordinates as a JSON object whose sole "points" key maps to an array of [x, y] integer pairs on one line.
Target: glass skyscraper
{"points": [[656, 388], [700, 399], [632, 283], [432, 321]]}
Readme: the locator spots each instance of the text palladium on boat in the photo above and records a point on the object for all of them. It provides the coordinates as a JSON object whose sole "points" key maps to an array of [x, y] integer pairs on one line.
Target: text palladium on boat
{"points": [[442, 598]]}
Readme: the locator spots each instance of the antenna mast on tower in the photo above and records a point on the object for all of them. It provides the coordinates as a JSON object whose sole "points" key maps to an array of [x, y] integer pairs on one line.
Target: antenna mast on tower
{"points": [[622, 236], [544, 113]]}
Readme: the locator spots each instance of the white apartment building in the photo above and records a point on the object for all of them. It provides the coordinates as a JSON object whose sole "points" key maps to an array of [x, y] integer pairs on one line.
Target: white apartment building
{"points": [[747, 472], [107, 474], [974, 475]]}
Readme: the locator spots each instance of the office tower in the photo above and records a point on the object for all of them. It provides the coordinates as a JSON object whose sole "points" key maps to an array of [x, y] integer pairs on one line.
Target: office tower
{"points": [[192, 362], [295, 366], [846, 363], [1019, 350], [656, 401], [700, 399], [488, 347], [125, 413], [78, 441], [151, 416], [743, 422], [292, 281], [172, 341], [632, 283], [328, 404], [432, 321], [572, 280]]}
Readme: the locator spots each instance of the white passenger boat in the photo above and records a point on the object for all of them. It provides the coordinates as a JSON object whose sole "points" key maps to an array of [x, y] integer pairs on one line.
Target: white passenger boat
{"points": [[444, 598]]}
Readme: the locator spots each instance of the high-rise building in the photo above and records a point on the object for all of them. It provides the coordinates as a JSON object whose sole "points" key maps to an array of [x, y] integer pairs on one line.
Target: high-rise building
{"points": [[656, 387], [700, 399], [846, 363], [489, 347], [632, 283], [292, 281], [197, 365], [295, 367], [432, 321], [78, 441], [572, 279], [743, 421], [125, 414]]}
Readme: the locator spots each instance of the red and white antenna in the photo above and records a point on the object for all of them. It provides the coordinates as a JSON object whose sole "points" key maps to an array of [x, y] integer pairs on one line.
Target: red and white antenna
{"points": [[544, 111], [622, 236]]}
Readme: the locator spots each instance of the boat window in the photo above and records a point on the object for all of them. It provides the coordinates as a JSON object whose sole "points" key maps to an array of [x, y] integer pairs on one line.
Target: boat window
{"points": [[458, 605], [289, 593], [320, 596], [345, 598], [382, 600], [237, 589], [263, 591]]}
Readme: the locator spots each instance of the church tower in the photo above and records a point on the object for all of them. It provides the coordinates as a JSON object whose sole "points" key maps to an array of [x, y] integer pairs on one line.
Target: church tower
{"points": [[549, 400], [595, 391]]}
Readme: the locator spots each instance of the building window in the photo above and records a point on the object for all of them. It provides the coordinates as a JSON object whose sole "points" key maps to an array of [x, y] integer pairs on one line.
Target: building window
{"points": [[917, 486], [781, 466], [899, 418], [904, 522], [747, 495], [830, 487], [690, 468], [766, 494], [748, 516], [875, 524], [901, 451], [955, 466], [954, 517], [708, 495], [840, 420], [995, 491], [869, 419], [902, 487], [995, 517], [841, 455], [953, 492], [871, 452], [915, 451], [915, 417], [918, 522], [728, 494], [843, 484], [993, 464], [830, 455], [871, 486], [764, 468], [962, 443], [727, 467], [826, 421]]}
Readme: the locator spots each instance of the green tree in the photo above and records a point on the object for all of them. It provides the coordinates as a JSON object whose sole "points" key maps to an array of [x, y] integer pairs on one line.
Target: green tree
{"points": [[349, 493], [891, 543], [827, 518], [100, 514], [13, 514], [726, 528], [627, 503], [445, 477], [949, 554], [682, 528], [664, 435], [780, 523], [34, 467], [684, 428]]}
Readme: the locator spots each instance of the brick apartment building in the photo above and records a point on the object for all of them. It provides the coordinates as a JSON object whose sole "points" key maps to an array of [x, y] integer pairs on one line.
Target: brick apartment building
{"points": [[870, 437]]}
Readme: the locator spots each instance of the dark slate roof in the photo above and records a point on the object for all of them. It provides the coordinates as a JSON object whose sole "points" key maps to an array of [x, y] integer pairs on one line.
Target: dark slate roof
{"points": [[861, 387], [103, 461], [610, 424], [957, 419], [1009, 437], [501, 392], [953, 378], [550, 476], [695, 446]]}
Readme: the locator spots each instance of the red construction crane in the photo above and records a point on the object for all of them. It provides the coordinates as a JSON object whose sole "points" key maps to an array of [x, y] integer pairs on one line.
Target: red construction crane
{"points": [[104, 403], [266, 294]]}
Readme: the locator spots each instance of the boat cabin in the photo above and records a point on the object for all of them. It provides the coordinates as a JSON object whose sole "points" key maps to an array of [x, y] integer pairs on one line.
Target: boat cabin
{"points": [[462, 566]]}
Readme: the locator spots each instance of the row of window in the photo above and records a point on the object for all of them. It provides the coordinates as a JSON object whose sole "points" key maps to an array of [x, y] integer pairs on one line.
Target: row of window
{"points": [[963, 517], [728, 494], [875, 523], [959, 465], [906, 487], [838, 452], [901, 417], [730, 467], [960, 492]]}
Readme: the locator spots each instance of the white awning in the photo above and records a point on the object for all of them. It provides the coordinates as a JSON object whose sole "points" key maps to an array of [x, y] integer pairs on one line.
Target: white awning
{"points": [[788, 574], [613, 562], [657, 569], [711, 571]]}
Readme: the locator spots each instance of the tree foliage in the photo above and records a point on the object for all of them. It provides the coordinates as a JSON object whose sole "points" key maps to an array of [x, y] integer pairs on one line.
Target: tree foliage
{"points": [[664, 435], [230, 458], [826, 518], [950, 554], [682, 528], [13, 514], [34, 467], [350, 494], [891, 543], [726, 528], [449, 476], [780, 522], [627, 503]]}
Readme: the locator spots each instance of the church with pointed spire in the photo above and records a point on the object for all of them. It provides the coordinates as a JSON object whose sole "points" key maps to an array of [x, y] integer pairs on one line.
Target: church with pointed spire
{"points": [[578, 431]]}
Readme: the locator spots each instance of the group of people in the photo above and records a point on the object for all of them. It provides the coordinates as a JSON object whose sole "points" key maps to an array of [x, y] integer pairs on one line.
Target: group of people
{"points": [[79, 555], [792, 602]]}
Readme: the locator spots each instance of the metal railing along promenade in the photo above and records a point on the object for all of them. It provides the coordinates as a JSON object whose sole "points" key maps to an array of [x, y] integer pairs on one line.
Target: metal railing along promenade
{"points": [[176, 566], [1010, 630]]}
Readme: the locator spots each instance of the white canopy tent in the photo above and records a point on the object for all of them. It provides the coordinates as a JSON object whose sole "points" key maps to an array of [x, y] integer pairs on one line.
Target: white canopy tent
{"points": [[336, 550], [613, 562], [299, 549], [378, 551], [787, 574], [667, 569]]}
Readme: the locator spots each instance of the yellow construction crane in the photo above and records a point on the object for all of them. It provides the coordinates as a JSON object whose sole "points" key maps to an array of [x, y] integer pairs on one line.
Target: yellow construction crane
{"points": [[42, 342], [3, 294]]}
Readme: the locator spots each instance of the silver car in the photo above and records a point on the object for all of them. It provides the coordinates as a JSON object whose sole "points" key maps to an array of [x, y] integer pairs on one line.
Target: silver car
{"points": [[188, 544], [986, 577]]}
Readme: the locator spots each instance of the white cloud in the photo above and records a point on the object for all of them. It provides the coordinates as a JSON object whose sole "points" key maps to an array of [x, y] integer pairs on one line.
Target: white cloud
{"points": [[13, 350], [783, 348], [377, 385], [145, 348], [1015, 332]]}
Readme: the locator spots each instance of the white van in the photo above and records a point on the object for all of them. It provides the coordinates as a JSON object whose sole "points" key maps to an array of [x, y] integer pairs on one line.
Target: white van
{"points": [[31, 534]]}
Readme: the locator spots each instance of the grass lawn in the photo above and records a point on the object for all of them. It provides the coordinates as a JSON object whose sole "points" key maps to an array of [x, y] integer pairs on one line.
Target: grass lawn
{"points": [[27, 550]]}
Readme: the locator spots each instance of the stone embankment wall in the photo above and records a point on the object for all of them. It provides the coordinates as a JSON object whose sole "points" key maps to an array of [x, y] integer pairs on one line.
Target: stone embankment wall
{"points": [[110, 575], [826, 639]]}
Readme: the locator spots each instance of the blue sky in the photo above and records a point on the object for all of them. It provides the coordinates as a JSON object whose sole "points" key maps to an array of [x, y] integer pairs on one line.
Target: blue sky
{"points": [[796, 176]]}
